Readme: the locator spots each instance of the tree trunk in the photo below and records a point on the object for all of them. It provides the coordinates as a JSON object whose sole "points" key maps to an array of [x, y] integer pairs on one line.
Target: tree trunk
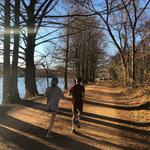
{"points": [[87, 70], [93, 73], [125, 74], [133, 69], [125, 68], [83, 70], [30, 78], [15, 98], [133, 57], [66, 64], [6, 67], [77, 62]]}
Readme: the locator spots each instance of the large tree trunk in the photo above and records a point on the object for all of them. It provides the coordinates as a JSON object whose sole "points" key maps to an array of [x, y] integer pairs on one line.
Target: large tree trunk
{"points": [[83, 69], [30, 78], [125, 74], [125, 66], [77, 62], [87, 71], [15, 98], [91, 71], [93, 74], [133, 68], [66, 64], [133, 57], [6, 67]]}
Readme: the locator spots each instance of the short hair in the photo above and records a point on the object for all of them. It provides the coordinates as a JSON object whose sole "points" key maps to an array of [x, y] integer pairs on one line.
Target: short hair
{"points": [[54, 81], [79, 79], [74, 81]]}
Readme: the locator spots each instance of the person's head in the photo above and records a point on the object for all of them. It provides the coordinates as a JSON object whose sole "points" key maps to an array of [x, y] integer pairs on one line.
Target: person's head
{"points": [[74, 81], [79, 80], [54, 81]]}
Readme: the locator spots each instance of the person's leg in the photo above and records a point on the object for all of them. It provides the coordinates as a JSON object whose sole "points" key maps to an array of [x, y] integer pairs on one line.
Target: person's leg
{"points": [[80, 110], [73, 122], [74, 111], [51, 122]]}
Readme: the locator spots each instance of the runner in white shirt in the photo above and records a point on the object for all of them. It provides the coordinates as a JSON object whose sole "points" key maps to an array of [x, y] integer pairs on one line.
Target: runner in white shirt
{"points": [[53, 94]]}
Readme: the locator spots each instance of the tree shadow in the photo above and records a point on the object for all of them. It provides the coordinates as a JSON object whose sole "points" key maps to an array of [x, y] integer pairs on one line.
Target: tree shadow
{"points": [[106, 93], [120, 134], [63, 110], [4, 109], [144, 106], [103, 142], [137, 134], [21, 141], [29, 143], [138, 124], [86, 116]]}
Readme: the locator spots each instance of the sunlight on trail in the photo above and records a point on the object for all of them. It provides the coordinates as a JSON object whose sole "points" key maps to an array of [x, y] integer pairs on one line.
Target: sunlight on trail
{"points": [[104, 124], [32, 137]]}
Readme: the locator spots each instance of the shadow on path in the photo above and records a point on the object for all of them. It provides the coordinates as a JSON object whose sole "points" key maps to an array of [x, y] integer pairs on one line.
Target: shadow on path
{"points": [[64, 141], [86, 116], [29, 143], [64, 110], [21, 141], [104, 142], [137, 135]]}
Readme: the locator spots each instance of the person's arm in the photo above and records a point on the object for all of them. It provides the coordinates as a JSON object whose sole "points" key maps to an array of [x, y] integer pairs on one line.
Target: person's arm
{"points": [[62, 94], [70, 91], [45, 95], [63, 97]]}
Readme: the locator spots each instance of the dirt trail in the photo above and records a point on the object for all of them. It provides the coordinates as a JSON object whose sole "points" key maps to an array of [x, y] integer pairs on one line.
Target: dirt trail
{"points": [[108, 123]]}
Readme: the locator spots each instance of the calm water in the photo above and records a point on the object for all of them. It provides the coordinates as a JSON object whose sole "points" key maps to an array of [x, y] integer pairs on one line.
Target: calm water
{"points": [[41, 86]]}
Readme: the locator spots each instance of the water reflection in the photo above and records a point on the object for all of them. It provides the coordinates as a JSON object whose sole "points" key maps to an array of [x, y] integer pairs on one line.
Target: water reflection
{"points": [[41, 85]]}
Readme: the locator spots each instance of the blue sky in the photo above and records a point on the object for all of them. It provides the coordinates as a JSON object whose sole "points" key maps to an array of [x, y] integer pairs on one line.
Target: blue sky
{"points": [[60, 9]]}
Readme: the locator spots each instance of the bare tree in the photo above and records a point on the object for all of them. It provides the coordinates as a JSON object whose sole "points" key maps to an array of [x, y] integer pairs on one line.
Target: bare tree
{"points": [[6, 54], [143, 56], [133, 11], [14, 77], [34, 19], [84, 45]]}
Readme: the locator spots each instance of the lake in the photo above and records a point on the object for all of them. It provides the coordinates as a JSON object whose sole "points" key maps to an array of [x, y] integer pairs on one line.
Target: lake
{"points": [[41, 85]]}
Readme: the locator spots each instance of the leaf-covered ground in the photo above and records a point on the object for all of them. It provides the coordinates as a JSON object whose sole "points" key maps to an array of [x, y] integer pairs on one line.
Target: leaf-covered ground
{"points": [[111, 120]]}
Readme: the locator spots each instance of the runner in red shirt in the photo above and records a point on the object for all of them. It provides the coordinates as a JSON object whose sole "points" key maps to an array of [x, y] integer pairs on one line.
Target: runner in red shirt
{"points": [[77, 92]]}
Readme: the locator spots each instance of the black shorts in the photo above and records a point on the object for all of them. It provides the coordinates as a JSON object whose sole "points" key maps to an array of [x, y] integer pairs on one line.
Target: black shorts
{"points": [[77, 108], [49, 110]]}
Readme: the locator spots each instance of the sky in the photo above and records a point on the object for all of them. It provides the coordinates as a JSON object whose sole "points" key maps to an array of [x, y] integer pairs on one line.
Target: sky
{"points": [[61, 8]]}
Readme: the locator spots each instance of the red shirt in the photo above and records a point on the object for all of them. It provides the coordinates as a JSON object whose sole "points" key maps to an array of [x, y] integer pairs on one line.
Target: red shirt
{"points": [[77, 93]]}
